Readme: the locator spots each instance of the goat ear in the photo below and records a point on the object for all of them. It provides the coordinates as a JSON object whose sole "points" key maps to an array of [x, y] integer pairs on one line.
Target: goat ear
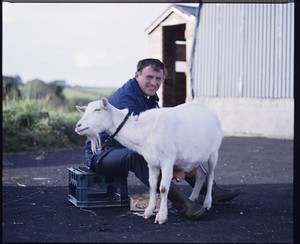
{"points": [[105, 103], [81, 109]]}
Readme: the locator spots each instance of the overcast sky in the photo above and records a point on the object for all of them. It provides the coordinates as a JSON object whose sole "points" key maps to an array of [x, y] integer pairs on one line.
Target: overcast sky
{"points": [[87, 44]]}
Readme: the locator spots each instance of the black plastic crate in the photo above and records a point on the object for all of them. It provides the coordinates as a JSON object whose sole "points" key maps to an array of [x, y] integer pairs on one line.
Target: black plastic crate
{"points": [[91, 190]]}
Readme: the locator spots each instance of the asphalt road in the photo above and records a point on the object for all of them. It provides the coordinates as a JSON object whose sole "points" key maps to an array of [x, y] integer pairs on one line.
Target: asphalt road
{"points": [[35, 206]]}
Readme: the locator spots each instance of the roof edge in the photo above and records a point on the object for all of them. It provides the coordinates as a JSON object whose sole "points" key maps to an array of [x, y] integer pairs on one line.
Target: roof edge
{"points": [[172, 8]]}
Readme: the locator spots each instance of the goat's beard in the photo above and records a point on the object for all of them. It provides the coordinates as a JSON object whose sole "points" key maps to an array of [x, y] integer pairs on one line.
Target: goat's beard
{"points": [[95, 143]]}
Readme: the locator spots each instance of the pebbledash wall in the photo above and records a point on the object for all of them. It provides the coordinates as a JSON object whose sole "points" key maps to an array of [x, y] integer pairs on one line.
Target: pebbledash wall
{"points": [[243, 67]]}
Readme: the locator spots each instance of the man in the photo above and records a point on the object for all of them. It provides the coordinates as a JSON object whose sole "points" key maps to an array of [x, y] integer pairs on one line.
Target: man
{"points": [[138, 95]]}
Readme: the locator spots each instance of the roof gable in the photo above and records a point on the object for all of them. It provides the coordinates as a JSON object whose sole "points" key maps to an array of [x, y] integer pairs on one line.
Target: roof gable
{"points": [[187, 12]]}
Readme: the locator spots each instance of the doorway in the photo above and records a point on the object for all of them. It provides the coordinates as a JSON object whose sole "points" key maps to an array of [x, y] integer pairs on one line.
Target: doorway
{"points": [[174, 57]]}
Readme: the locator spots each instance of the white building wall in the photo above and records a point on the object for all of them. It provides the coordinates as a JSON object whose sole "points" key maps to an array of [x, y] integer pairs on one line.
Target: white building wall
{"points": [[249, 117]]}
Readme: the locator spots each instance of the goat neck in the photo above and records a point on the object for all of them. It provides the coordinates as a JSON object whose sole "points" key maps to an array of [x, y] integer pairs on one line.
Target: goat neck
{"points": [[130, 135]]}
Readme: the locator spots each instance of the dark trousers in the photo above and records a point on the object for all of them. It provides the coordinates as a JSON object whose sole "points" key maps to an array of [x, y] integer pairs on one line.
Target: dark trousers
{"points": [[120, 162]]}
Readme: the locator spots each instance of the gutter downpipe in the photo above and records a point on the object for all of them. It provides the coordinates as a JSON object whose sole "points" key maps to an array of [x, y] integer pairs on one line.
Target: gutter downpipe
{"points": [[193, 51]]}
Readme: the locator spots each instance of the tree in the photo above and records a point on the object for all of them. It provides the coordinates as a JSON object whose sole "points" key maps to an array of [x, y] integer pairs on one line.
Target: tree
{"points": [[11, 87]]}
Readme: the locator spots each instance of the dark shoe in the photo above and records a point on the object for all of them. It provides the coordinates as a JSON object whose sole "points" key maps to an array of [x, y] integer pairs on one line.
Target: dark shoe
{"points": [[177, 210], [187, 207], [194, 211], [222, 195], [219, 195]]}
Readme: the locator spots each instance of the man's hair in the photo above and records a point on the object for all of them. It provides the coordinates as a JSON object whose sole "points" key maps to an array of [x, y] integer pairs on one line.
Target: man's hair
{"points": [[155, 64]]}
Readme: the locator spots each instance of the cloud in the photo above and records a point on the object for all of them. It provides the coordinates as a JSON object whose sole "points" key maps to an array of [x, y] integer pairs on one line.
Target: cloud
{"points": [[96, 57], [83, 43]]}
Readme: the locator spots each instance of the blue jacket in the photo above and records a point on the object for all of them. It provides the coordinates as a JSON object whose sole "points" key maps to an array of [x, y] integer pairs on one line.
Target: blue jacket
{"points": [[128, 96]]}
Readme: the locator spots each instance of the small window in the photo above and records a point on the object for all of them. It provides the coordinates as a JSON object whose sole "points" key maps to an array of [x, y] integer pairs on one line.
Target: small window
{"points": [[180, 66], [180, 42]]}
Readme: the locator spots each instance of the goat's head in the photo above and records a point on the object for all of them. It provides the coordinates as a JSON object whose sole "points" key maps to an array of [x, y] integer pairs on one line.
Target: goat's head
{"points": [[96, 118]]}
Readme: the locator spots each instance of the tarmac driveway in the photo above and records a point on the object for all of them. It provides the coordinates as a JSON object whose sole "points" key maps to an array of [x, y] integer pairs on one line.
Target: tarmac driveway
{"points": [[36, 209]]}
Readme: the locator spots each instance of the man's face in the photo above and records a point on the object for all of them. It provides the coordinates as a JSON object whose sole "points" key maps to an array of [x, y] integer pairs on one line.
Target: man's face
{"points": [[149, 80]]}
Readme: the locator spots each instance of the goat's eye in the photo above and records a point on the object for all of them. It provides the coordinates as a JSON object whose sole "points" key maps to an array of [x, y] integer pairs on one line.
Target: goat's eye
{"points": [[97, 110]]}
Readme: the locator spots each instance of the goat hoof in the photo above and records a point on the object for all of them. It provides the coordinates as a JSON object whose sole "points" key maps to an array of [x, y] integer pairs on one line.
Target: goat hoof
{"points": [[207, 205], [160, 221], [208, 208], [147, 216]]}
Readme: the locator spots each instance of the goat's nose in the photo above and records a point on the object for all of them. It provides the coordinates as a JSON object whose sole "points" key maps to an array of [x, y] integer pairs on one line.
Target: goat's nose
{"points": [[78, 124]]}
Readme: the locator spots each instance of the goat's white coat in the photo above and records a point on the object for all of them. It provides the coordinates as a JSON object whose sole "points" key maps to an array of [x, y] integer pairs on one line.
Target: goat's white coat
{"points": [[185, 136]]}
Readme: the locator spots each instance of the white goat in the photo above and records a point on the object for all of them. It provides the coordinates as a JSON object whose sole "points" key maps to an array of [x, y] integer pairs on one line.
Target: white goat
{"points": [[183, 137]]}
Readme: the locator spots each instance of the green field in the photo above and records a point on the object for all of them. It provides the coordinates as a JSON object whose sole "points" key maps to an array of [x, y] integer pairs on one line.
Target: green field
{"points": [[25, 126], [89, 93]]}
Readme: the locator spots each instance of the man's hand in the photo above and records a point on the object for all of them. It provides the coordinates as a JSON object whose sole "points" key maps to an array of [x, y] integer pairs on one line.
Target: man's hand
{"points": [[180, 175]]}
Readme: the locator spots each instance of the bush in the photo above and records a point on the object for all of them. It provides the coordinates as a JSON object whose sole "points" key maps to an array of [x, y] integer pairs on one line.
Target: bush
{"points": [[44, 117], [28, 126]]}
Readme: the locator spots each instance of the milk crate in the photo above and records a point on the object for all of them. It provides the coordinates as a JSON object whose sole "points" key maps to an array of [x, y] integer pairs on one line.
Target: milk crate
{"points": [[88, 189]]}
